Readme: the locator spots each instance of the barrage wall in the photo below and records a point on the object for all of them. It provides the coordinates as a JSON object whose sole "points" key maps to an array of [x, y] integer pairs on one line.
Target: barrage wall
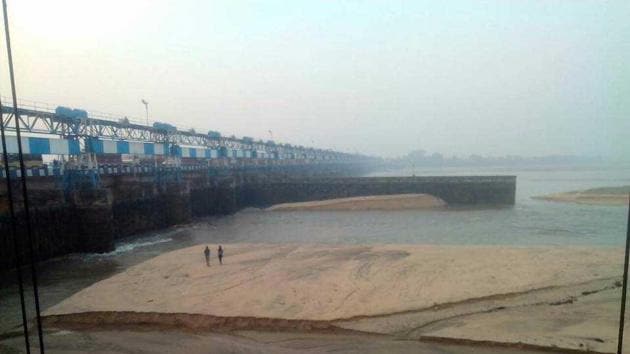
{"points": [[454, 190], [91, 220]]}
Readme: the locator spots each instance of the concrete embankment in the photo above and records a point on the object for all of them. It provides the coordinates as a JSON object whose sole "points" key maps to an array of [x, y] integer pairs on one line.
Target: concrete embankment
{"points": [[454, 190]]}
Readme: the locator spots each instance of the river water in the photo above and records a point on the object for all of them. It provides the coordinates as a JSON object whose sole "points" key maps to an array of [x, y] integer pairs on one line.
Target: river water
{"points": [[528, 222]]}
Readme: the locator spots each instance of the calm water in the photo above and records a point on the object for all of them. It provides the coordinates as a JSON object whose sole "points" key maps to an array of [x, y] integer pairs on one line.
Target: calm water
{"points": [[528, 222]]}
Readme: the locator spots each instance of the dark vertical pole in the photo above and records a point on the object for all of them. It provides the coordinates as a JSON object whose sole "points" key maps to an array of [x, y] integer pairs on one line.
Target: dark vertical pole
{"points": [[622, 313], [27, 215], [16, 248]]}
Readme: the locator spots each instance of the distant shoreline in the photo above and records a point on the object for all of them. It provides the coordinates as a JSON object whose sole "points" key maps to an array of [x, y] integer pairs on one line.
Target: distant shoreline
{"points": [[614, 196], [377, 202]]}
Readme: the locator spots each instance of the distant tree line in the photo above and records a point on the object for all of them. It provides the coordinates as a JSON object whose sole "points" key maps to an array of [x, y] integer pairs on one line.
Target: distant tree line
{"points": [[421, 158]]}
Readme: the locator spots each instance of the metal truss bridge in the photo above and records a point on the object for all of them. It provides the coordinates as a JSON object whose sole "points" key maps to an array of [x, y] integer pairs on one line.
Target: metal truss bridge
{"points": [[46, 132]]}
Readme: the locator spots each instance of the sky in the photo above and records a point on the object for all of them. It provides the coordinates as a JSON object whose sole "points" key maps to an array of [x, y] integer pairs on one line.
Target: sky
{"points": [[505, 77]]}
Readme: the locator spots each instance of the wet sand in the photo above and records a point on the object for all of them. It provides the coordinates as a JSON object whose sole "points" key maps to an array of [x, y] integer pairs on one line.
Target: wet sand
{"points": [[246, 342], [377, 202], [541, 296]]}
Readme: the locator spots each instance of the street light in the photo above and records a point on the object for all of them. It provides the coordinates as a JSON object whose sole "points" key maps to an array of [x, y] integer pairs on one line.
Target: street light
{"points": [[146, 108]]}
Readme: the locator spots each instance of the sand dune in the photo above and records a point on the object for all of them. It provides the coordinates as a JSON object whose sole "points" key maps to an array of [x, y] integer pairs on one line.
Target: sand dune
{"points": [[377, 202]]}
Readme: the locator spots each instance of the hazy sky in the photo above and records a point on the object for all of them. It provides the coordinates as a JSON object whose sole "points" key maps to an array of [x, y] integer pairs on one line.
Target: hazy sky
{"points": [[380, 77]]}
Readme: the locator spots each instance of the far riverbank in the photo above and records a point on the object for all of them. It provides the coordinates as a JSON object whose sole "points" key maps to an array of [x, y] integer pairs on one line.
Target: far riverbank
{"points": [[614, 196]]}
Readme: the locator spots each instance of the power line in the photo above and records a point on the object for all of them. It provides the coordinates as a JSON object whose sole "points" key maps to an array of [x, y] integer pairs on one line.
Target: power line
{"points": [[622, 311], [29, 231], [18, 258]]}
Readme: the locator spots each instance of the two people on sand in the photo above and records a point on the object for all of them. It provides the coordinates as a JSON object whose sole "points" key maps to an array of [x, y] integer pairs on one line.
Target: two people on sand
{"points": [[206, 253]]}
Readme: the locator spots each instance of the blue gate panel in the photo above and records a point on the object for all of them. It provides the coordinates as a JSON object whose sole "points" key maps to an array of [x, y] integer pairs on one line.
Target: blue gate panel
{"points": [[192, 152], [74, 148], [94, 145], [122, 147], [176, 150], [38, 146], [149, 149]]}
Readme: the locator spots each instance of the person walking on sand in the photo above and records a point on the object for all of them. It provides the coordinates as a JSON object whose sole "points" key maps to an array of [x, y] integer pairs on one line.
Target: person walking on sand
{"points": [[220, 253], [206, 253]]}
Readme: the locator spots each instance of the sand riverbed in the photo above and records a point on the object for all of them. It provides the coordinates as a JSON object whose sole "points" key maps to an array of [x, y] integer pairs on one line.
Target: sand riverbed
{"points": [[413, 291]]}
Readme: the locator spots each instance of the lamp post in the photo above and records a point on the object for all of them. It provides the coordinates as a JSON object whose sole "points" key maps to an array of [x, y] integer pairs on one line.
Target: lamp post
{"points": [[146, 108]]}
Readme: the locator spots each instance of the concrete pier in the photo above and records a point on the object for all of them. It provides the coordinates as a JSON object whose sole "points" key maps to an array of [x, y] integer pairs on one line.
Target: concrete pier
{"points": [[455, 190], [91, 220]]}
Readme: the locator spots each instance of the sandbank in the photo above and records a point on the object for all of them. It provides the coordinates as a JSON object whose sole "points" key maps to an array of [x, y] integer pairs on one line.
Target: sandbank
{"points": [[414, 291], [376, 202], [595, 196]]}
